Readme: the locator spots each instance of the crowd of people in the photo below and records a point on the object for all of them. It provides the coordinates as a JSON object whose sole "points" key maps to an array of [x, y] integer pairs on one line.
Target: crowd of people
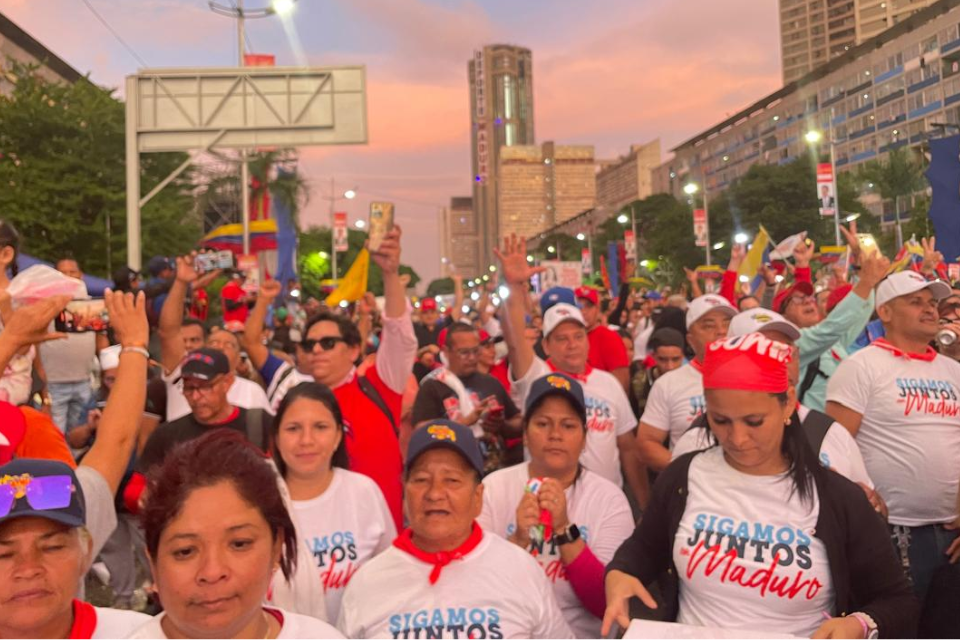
{"points": [[554, 464]]}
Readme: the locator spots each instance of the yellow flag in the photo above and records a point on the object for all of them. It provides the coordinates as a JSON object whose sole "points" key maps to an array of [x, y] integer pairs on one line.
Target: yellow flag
{"points": [[354, 284], [755, 256]]}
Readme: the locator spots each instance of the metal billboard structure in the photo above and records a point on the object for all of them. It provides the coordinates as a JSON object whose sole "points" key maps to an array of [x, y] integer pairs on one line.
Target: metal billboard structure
{"points": [[210, 109]]}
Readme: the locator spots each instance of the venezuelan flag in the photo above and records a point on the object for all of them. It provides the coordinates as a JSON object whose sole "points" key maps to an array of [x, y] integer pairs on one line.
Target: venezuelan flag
{"points": [[758, 255], [263, 237], [830, 254], [910, 256]]}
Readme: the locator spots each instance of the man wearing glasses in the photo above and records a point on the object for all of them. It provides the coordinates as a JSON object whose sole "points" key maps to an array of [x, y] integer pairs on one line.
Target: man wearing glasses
{"points": [[206, 379], [460, 392]]}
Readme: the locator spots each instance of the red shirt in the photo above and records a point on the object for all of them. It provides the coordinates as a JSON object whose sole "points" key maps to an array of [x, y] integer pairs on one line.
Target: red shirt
{"points": [[372, 443], [234, 292], [501, 371], [607, 351]]}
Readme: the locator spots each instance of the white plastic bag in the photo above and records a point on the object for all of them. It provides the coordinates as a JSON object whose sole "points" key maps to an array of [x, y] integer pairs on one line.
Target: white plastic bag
{"points": [[40, 282]]}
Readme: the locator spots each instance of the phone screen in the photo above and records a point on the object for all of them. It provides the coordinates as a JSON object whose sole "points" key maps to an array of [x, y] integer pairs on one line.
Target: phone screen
{"points": [[381, 222], [82, 316]]}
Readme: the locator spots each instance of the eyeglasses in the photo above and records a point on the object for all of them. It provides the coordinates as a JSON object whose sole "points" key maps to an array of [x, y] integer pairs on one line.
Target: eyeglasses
{"points": [[801, 299], [43, 494], [200, 388], [326, 343], [468, 353]]}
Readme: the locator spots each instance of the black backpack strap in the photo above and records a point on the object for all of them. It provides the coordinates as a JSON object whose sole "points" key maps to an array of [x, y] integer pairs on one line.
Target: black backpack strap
{"points": [[815, 427], [813, 370], [371, 392], [254, 427]]}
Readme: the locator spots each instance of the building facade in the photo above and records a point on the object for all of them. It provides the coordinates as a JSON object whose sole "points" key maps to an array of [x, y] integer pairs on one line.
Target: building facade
{"points": [[542, 186], [501, 116], [629, 177], [18, 45], [894, 90], [461, 238]]}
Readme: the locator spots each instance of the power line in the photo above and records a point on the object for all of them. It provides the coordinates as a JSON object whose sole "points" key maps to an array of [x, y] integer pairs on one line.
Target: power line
{"points": [[246, 36], [115, 34]]}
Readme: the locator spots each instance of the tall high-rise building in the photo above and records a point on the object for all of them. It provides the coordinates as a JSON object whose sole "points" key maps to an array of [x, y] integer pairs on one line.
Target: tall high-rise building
{"points": [[461, 247], [501, 115], [813, 32]]}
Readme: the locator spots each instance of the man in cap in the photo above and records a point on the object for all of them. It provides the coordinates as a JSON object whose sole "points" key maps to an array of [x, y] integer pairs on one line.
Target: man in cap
{"points": [[676, 398], [824, 342], [206, 379], [949, 309], [610, 420], [444, 576], [901, 400], [607, 351], [666, 354], [431, 324]]}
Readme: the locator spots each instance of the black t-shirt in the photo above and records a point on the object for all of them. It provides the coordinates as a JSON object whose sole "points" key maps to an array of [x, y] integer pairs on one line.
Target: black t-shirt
{"points": [[157, 399], [435, 398], [184, 429], [427, 335]]}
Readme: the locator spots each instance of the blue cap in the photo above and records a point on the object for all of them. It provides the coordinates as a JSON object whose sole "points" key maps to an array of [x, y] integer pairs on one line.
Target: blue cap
{"points": [[448, 435], [556, 295], [159, 264], [556, 384], [653, 295], [73, 514]]}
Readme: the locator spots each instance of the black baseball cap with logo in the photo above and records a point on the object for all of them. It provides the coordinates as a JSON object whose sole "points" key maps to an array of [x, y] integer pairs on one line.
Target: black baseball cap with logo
{"points": [[204, 364], [37, 488], [445, 434], [556, 384]]}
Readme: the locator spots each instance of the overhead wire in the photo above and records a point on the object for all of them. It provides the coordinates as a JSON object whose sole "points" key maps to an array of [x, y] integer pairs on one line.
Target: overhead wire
{"points": [[114, 33]]}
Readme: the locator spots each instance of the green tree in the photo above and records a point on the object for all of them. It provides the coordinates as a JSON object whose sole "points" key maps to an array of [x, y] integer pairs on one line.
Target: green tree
{"points": [[896, 177], [64, 184], [440, 287]]}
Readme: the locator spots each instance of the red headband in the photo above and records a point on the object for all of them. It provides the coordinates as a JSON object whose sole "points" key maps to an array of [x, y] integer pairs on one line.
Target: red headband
{"points": [[751, 362]]}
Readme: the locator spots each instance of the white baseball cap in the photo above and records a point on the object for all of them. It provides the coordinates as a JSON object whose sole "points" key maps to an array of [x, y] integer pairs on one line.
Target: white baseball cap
{"points": [[906, 282], [559, 313], [110, 358], [757, 320], [703, 305]]}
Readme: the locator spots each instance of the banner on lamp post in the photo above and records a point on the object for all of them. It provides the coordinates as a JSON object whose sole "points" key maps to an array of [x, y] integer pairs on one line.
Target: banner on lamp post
{"points": [[561, 274], [700, 227], [586, 262], [826, 190], [340, 231], [630, 245]]}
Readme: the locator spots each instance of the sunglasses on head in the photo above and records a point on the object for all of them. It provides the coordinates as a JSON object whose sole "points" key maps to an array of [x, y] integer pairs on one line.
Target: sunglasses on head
{"points": [[43, 494], [327, 343]]}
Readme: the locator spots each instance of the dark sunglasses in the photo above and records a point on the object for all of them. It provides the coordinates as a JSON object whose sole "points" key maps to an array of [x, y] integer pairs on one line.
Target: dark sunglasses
{"points": [[326, 343], [43, 494]]}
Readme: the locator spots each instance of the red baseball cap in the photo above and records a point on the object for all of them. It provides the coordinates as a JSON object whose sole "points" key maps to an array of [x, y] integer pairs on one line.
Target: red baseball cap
{"points": [[13, 427], [802, 287], [589, 294], [428, 304], [837, 295], [750, 362]]}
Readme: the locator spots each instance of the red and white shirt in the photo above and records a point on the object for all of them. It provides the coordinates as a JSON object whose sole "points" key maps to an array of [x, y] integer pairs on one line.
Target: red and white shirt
{"points": [[910, 431], [598, 508], [675, 401], [746, 554], [495, 590], [608, 415]]}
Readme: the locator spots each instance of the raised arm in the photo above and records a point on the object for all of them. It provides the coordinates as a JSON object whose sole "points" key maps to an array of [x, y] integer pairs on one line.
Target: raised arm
{"points": [[117, 433], [253, 330], [171, 315], [28, 325], [516, 273], [398, 342]]}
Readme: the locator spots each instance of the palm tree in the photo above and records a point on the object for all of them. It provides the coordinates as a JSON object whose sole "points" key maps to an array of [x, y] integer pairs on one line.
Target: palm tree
{"points": [[900, 175]]}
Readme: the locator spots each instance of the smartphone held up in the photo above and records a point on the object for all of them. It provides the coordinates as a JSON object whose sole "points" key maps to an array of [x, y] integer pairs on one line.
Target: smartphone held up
{"points": [[381, 222], [81, 316]]}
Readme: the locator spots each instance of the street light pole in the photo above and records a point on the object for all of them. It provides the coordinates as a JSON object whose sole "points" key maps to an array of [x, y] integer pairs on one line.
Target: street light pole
{"points": [[333, 227]]}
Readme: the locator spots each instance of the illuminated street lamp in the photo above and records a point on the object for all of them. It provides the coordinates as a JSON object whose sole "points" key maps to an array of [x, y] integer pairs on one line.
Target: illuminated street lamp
{"points": [[741, 238], [623, 218]]}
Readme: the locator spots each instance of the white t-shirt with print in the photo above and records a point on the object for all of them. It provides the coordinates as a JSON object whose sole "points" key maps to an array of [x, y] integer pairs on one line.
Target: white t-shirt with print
{"points": [[910, 432], [294, 626], [115, 623], [608, 416], [746, 555], [598, 508], [838, 451], [675, 401], [343, 528], [496, 591], [243, 393]]}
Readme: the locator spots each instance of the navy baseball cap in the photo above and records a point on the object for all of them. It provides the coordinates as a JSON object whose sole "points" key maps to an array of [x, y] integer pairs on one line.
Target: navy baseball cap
{"points": [[204, 364], [445, 434], [159, 264], [556, 295], [556, 384], [36, 488]]}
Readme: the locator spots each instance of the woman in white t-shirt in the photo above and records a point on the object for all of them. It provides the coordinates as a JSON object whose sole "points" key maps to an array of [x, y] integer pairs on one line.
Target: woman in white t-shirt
{"points": [[217, 530], [341, 516], [755, 535], [589, 515]]}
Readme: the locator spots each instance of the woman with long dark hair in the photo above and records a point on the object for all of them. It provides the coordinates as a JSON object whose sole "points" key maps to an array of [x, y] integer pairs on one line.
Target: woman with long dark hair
{"points": [[342, 516], [217, 530], [754, 534]]}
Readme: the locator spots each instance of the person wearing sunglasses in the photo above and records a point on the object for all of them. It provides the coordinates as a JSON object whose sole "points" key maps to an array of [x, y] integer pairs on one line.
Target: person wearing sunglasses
{"points": [[54, 520], [372, 402]]}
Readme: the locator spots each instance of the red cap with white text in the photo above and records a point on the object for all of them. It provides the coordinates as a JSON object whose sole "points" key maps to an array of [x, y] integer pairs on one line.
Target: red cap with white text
{"points": [[750, 362]]}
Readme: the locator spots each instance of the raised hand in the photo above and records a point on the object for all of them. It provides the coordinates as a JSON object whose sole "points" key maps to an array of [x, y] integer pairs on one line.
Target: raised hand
{"points": [[803, 253], [186, 271], [931, 257], [514, 268], [873, 268], [852, 240], [128, 317], [737, 253], [28, 325], [387, 257], [269, 290]]}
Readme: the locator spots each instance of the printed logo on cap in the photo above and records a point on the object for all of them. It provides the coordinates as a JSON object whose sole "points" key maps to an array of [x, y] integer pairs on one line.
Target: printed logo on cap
{"points": [[559, 382], [19, 484], [563, 313], [916, 276], [754, 343], [442, 432], [761, 317], [198, 357]]}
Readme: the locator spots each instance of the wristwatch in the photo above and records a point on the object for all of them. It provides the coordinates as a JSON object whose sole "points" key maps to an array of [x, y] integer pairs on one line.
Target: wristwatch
{"points": [[567, 536]]}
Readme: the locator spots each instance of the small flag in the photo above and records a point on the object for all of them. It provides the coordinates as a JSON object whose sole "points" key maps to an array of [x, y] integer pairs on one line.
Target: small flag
{"points": [[354, 283]]}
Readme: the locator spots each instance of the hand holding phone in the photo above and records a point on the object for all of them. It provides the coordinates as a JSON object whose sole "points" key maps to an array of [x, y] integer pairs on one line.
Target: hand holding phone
{"points": [[381, 222]]}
